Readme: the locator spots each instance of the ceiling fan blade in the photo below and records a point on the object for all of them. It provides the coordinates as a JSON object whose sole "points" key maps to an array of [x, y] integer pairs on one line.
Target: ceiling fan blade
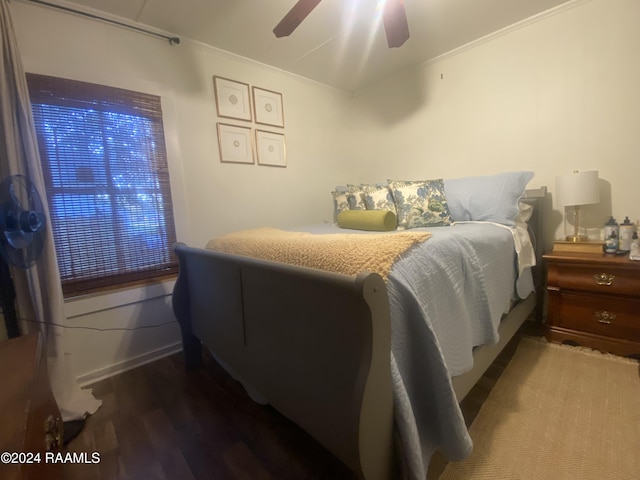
{"points": [[294, 17], [395, 23]]}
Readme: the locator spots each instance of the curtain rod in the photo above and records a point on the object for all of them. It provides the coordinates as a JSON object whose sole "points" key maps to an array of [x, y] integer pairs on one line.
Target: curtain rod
{"points": [[172, 40]]}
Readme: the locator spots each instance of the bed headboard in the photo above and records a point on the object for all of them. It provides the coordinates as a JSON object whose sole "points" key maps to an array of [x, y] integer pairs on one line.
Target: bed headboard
{"points": [[535, 197]]}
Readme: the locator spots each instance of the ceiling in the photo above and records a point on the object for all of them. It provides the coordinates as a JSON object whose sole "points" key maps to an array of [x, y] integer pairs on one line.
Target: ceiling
{"points": [[340, 43]]}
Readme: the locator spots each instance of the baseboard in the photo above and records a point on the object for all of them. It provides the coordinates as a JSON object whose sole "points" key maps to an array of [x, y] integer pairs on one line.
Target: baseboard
{"points": [[92, 377]]}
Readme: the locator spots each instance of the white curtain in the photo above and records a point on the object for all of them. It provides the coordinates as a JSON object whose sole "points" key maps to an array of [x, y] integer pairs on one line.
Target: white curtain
{"points": [[38, 289]]}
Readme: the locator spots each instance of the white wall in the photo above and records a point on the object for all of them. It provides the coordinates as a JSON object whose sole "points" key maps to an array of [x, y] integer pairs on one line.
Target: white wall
{"points": [[554, 94], [209, 197]]}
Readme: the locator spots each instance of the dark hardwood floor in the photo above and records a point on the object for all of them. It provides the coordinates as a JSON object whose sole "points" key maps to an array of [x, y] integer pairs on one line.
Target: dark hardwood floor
{"points": [[160, 421]]}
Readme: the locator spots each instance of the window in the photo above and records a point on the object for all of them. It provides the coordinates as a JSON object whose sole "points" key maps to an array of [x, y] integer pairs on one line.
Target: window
{"points": [[105, 167]]}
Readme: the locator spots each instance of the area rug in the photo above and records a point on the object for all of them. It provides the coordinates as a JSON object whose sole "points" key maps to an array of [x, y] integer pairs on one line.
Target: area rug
{"points": [[557, 412]]}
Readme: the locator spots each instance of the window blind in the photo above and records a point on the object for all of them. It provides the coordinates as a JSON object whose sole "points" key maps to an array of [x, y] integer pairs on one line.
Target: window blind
{"points": [[105, 166]]}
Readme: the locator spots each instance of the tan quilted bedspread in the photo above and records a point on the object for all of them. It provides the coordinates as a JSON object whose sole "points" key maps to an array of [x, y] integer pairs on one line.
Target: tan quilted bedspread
{"points": [[346, 253]]}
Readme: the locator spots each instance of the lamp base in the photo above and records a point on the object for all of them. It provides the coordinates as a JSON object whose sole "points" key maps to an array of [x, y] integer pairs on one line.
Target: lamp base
{"points": [[574, 225]]}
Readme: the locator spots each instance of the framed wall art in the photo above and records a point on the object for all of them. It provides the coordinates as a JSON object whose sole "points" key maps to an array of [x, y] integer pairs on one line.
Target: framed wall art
{"points": [[267, 107], [235, 144], [270, 148], [232, 98]]}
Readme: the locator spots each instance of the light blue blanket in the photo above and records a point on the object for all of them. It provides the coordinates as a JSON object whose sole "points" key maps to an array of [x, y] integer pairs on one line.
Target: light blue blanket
{"points": [[447, 295]]}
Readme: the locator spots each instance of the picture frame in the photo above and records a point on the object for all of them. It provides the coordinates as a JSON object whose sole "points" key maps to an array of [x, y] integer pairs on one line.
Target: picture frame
{"points": [[234, 143], [270, 148], [267, 107], [232, 99]]}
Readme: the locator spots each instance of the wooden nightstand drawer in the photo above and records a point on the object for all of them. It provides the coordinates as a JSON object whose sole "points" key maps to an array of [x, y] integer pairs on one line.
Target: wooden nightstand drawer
{"points": [[604, 279], [619, 318], [594, 300]]}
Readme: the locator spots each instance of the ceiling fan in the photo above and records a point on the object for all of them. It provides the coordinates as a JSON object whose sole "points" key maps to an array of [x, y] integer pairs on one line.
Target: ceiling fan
{"points": [[393, 17]]}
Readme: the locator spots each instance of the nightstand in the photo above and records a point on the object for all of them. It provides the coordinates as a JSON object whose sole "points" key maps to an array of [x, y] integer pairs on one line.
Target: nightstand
{"points": [[594, 301]]}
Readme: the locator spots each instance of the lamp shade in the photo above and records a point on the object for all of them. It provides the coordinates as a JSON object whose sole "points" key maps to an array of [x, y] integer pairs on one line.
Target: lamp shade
{"points": [[577, 188]]}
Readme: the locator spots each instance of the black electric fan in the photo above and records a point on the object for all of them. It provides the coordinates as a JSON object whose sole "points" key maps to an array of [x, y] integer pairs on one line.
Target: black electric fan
{"points": [[22, 236]]}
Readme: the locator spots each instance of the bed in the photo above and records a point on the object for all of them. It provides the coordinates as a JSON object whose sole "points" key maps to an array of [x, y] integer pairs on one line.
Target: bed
{"points": [[367, 363]]}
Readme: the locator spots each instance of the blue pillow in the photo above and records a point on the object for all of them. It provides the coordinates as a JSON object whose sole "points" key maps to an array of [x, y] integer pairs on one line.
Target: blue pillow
{"points": [[492, 198]]}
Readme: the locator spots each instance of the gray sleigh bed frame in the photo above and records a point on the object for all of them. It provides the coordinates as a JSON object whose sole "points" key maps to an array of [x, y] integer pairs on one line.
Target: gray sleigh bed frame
{"points": [[314, 344]]}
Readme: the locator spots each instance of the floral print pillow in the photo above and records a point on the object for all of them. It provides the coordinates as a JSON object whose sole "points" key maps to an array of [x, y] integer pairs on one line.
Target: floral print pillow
{"points": [[355, 197], [420, 204], [340, 203], [378, 197]]}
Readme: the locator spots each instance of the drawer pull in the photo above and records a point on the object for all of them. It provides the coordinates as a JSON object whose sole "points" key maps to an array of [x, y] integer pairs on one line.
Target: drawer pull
{"points": [[604, 279], [605, 317]]}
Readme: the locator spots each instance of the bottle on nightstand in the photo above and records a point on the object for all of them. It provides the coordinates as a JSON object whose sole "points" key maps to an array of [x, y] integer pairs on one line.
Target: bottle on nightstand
{"points": [[634, 254], [626, 233], [611, 231]]}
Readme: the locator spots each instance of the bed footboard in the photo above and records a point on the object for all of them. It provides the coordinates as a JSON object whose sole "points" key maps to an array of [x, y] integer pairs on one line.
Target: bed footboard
{"points": [[315, 344]]}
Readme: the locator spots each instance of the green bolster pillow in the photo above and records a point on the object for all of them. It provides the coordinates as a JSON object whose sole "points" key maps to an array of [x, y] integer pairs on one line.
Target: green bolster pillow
{"points": [[373, 220]]}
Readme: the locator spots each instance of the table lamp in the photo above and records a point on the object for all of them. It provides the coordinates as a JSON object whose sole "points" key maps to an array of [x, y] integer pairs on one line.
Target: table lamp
{"points": [[575, 190]]}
